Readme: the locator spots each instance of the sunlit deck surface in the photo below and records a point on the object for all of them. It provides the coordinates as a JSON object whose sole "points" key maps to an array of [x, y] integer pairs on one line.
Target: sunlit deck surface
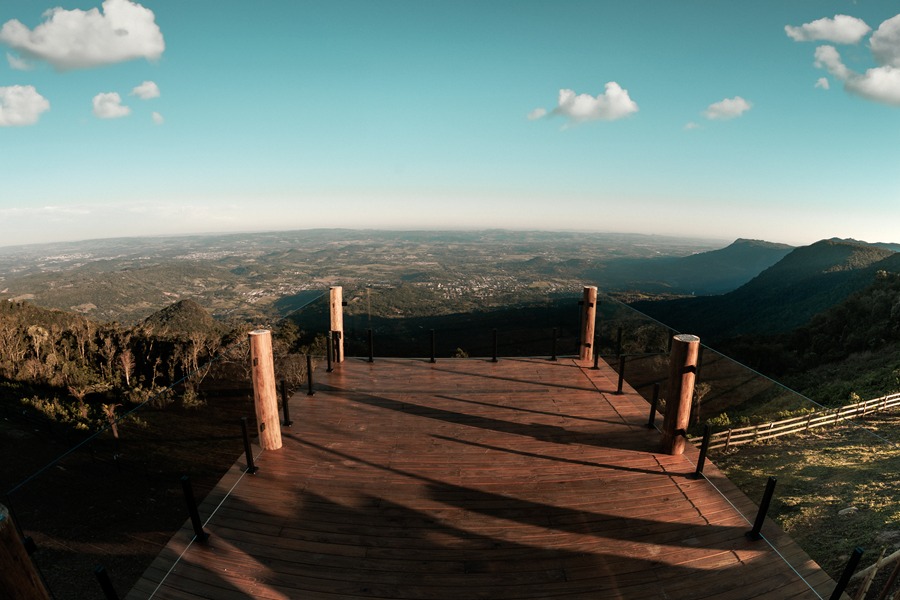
{"points": [[524, 478]]}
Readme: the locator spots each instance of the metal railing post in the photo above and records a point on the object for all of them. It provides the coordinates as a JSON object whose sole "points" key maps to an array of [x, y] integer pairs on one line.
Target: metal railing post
{"points": [[248, 452], [105, 584], [285, 407], [848, 572], [555, 334], [654, 404], [494, 359], [754, 534], [704, 448], [371, 346], [201, 535], [621, 375], [329, 353], [433, 347]]}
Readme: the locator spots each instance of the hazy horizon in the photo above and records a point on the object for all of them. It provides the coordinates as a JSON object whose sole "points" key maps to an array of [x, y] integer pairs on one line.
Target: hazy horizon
{"points": [[775, 121]]}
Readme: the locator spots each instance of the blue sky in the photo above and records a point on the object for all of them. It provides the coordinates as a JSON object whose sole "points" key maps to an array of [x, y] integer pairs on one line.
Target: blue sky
{"points": [[698, 118]]}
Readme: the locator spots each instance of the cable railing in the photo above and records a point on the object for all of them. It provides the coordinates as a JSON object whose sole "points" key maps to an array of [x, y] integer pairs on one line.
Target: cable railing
{"points": [[831, 468], [118, 490]]}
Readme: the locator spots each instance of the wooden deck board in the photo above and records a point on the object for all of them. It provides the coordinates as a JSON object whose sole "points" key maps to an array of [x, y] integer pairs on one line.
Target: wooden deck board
{"points": [[524, 478]]}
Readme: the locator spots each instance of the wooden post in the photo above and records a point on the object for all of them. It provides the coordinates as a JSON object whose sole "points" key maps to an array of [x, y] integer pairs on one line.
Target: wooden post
{"points": [[682, 375], [265, 392], [18, 577], [337, 321], [588, 322]]}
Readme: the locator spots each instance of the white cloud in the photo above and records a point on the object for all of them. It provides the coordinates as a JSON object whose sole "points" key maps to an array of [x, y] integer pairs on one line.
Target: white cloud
{"points": [[878, 84], [881, 84], [822, 82], [537, 113], [842, 29], [827, 57], [77, 39], [613, 104], [157, 118], [885, 43], [146, 91], [728, 108], [109, 106], [18, 63], [691, 125], [21, 105]]}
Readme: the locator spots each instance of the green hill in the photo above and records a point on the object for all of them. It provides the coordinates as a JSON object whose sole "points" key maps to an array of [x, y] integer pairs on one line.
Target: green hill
{"points": [[787, 295]]}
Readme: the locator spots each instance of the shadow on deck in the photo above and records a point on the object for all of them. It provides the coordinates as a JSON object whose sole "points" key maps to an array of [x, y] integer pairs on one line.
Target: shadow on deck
{"points": [[469, 479]]}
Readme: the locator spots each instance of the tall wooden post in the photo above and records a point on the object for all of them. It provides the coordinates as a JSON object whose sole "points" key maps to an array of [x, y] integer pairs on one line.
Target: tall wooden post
{"points": [[682, 376], [265, 392], [588, 319], [337, 321], [18, 577]]}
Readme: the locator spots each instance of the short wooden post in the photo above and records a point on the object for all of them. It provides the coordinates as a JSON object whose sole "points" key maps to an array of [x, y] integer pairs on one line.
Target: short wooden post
{"points": [[18, 576], [682, 375], [265, 392], [337, 321], [588, 322]]}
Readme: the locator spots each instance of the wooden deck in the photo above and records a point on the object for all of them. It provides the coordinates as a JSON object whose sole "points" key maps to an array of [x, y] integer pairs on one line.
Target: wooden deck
{"points": [[524, 478]]}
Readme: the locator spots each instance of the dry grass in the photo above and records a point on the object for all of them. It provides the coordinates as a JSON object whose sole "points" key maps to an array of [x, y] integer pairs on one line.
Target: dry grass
{"points": [[822, 473]]}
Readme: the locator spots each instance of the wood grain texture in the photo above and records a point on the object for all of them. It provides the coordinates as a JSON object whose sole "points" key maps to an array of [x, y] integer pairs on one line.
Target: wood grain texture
{"points": [[265, 391], [525, 478]]}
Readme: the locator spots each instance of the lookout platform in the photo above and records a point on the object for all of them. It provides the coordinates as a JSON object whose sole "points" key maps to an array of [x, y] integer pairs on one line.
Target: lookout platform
{"points": [[524, 478]]}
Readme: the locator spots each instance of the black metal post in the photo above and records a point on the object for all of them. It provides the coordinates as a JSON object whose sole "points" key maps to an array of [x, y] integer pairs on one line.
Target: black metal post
{"points": [[201, 535], [309, 377], [329, 352], [654, 404], [555, 334], [248, 452], [596, 353], [619, 342], [105, 584], [433, 346], [621, 374], [704, 448], [754, 534], [285, 407], [494, 359], [848, 572], [371, 346]]}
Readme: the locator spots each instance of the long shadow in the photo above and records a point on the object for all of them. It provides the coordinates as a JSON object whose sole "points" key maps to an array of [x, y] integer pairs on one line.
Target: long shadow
{"points": [[585, 463], [547, 433], [601, 525], [589, 387], [529, 410]]}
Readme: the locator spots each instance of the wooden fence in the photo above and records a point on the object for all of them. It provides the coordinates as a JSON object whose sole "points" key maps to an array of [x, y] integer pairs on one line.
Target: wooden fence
{"points": [[819, 418]]}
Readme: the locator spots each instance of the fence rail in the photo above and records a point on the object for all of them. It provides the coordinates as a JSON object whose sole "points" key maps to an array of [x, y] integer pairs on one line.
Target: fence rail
{"points": [[820, 418]]}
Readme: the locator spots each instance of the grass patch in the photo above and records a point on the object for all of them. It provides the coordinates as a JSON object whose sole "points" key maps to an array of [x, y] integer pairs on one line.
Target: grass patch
{"points": [[821, 474]]}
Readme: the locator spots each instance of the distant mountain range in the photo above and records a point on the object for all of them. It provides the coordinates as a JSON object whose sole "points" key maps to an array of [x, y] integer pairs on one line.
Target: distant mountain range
{"points": [[805, 282], [704, 273]]}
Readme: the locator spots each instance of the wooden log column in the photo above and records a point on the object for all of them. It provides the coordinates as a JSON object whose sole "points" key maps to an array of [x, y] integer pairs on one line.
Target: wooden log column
{"points": [[682, 376], [265, 392], [588, 322], [337, 321], [18, 577]]}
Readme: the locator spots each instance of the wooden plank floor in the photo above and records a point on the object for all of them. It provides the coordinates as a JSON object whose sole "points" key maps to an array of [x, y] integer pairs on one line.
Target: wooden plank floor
{"points": [[524, 478]]}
